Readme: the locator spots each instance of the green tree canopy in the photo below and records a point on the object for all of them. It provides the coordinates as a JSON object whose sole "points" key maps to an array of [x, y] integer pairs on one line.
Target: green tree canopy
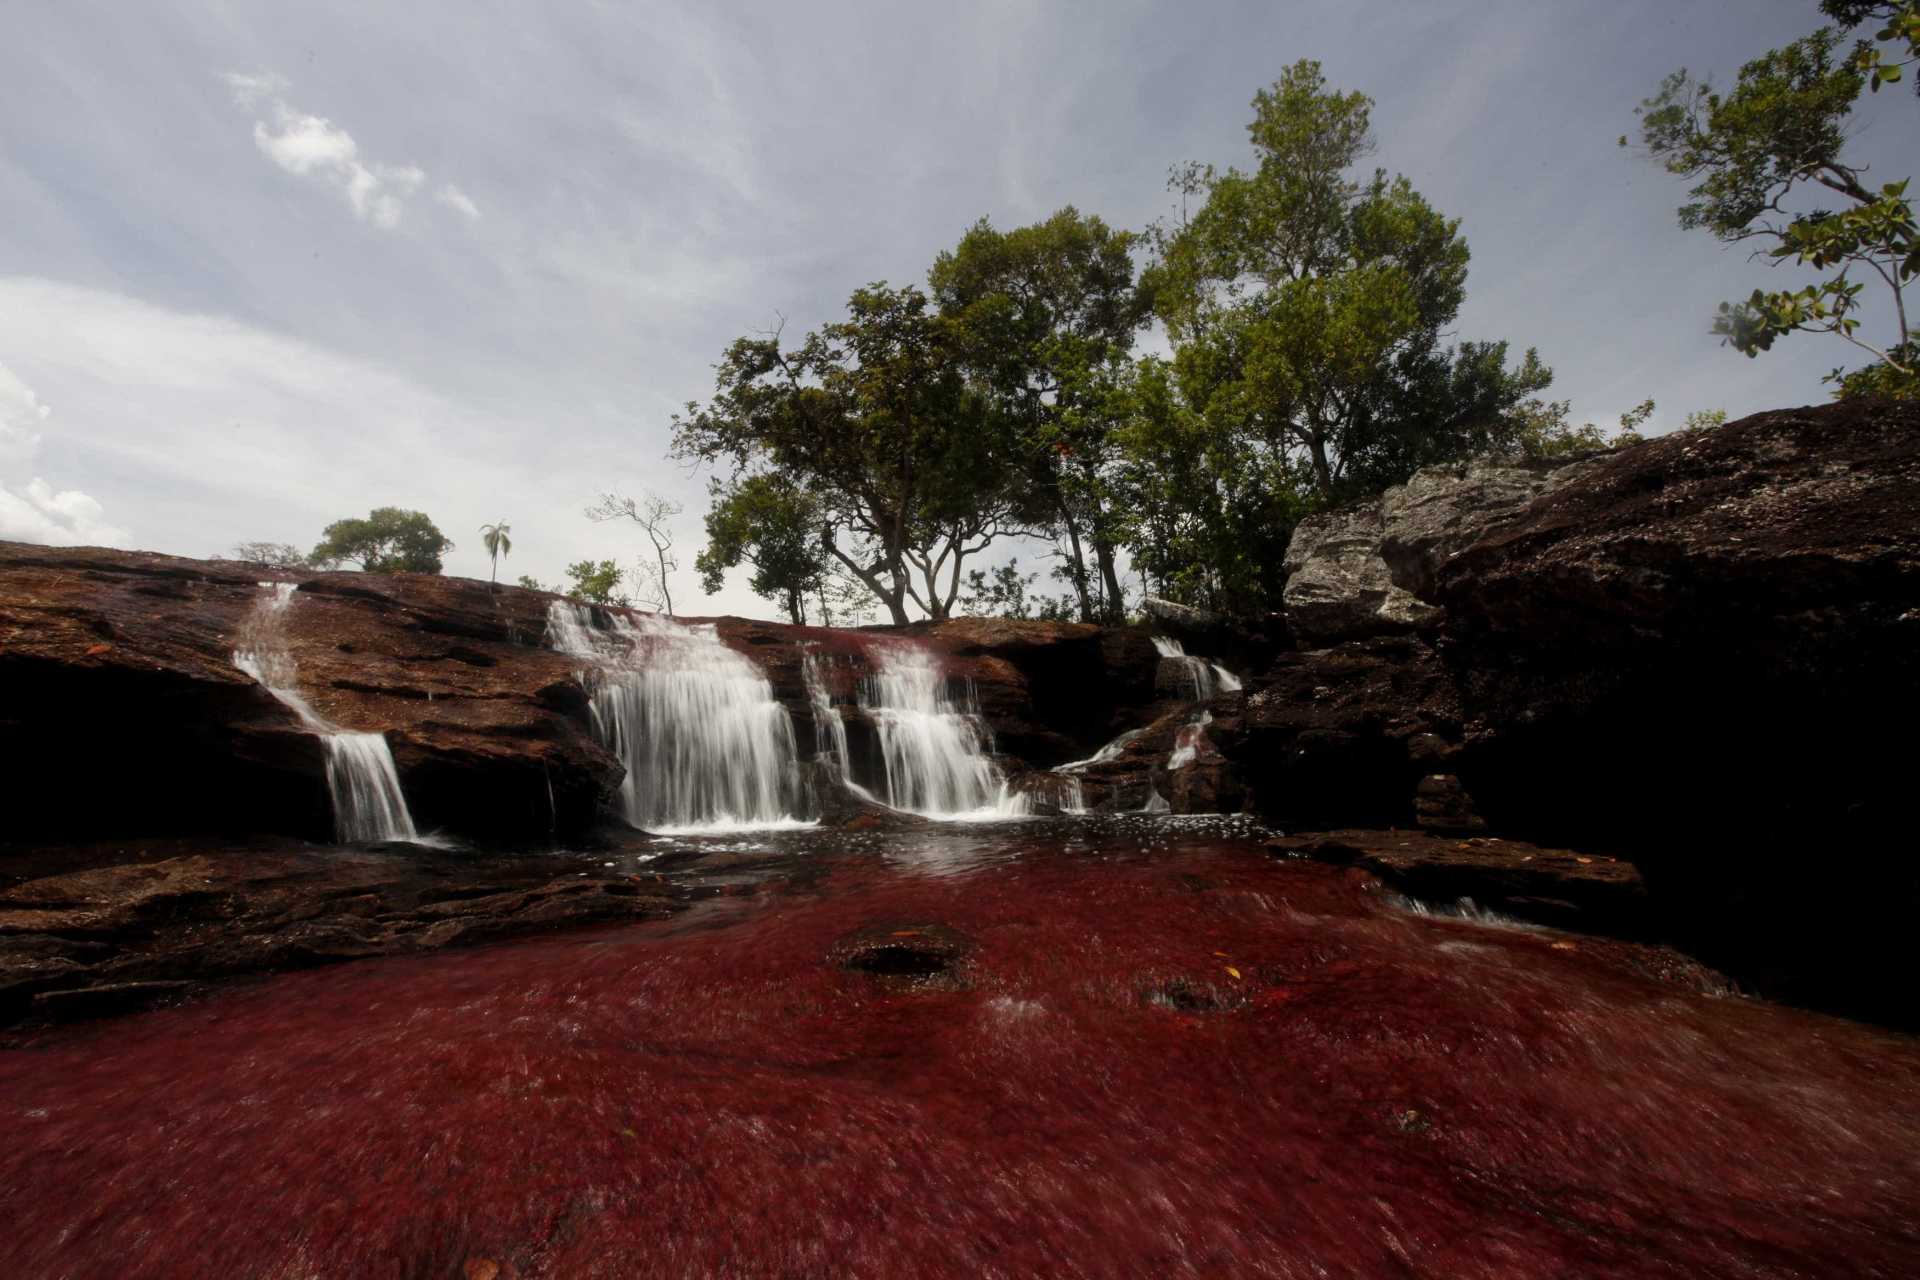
{"points": [[874, 416], [498, 540], [1770, 167], [388, 540], [773, 524], [596, 581], [1307, 305], [1045, 314]]}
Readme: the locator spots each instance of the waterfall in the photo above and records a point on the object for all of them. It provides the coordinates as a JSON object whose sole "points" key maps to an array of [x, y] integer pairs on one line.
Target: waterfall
{"points": [[706, 746], [1109, 752], [1206, 677], [934, 750], [1186, 743], [829, 730], [368, 806]]}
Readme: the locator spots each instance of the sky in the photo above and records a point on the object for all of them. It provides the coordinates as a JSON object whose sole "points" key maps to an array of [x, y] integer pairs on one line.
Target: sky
{"points": [[264, 266]]}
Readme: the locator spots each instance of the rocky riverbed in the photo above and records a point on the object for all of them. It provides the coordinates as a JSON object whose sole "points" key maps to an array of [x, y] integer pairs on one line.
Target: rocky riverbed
{"points": [[1688, 664]]}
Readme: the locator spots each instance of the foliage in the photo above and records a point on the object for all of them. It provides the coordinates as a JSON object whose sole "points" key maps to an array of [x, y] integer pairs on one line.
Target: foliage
{"points": [[874, 417], [1045, 314], [495, 537], [1544, 429], [654, 514], [1704, 420], [1307, 306], [596, 582], [1760, 151], [532, 583], [270, 555], [1897, 379], [773, 524], [389, 540]]}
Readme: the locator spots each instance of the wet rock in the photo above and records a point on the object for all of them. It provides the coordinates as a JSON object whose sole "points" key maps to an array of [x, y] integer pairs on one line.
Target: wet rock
{"points": [[1342, 736], [907, 957], [1442, 805], [1552, 886], [132, 925], [487, 727]]}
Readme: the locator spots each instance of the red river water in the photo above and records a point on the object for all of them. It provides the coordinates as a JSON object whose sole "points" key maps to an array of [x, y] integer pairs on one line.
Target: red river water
{"points": [[1152, 1051]]}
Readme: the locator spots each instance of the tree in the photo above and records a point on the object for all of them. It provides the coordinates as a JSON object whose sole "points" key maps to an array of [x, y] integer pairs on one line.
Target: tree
{"points": [[532, 583], [874, 417], [773, 524], [389, 540], [1307, 306], [269, 555], [1768, 156], [1045, 315], [654, 515], [1545, 429], [497, 542], [596, 581]]}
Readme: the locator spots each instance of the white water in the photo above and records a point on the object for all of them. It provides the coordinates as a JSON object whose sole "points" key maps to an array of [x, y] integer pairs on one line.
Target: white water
{"points": [[368, 806], [934, 750], [829, 730], [1207, 678], [1109, 752], [1186, 743], [707, 748]]}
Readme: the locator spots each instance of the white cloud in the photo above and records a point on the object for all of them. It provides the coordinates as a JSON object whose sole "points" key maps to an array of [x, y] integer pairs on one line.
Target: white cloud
{"points": [[249, 89], [218, 432], [31, 510], [311, 146], [454, 198]]}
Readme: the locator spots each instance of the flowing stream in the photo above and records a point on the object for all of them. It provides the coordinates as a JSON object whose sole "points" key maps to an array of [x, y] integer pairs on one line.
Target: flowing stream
{"points": [[368, 806], [1108, 1046], [934, 749], [1207, 678], [706, 746]]}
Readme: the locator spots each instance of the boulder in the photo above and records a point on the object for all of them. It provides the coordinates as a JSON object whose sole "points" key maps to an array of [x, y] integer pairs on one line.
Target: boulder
{"points": [[119, 667], [1372, 568], [1338, 586]]}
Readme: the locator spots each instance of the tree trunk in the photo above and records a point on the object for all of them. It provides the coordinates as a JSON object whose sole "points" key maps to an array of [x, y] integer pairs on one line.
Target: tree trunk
{"points": [[1116, 605], [1322, 473], [1077, 563]]}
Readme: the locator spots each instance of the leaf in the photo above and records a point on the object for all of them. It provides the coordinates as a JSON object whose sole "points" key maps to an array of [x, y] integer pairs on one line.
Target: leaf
{"points": [[94, 651], [1235, 972]]}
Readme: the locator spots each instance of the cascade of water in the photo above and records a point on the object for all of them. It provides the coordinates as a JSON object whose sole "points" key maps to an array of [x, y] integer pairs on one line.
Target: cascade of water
{"points": [[1109, 752], [933, 749], [706, 746], [1206, 677], [829, 730], [1156, 803], [1073, 799], [1186, 743], [368, 806]]}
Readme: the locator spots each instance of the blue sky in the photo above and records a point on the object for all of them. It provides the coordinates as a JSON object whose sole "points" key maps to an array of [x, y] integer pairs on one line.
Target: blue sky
{"points": [[262, 266]]}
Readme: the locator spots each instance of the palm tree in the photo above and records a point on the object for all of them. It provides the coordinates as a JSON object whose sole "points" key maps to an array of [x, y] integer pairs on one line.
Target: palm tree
{"points": [[498, 544]]}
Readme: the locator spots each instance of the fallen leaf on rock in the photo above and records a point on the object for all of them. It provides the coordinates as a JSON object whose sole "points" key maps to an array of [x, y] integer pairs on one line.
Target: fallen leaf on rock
{"points": [[94, 651], [1582, 860], [1230, 969], [1565, 946], [481, 1269], [905, 933]]}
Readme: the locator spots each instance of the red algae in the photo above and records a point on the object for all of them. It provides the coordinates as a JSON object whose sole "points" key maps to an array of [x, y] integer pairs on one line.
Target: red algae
{"points": [[1201, 1062]]}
